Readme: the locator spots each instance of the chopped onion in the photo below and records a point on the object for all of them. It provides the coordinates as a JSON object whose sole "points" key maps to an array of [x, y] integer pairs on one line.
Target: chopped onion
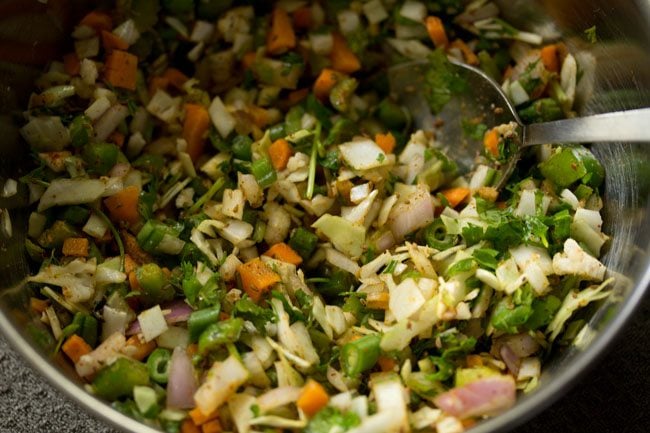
{"points": [[221, 382], [95, 227], [163, 106], [152, 323], [202, 31], [375, 11], [114, 320], [110, 120], [348, 21], [321, 43], [405, 299], [411, 214], [127, 31], [182, 384], [414, 11], [411, 48], [221, 117], [46, 133], [278, 397], [98, 108], [174, 312], [363, 154], [71, 191], [485, 396], [341, 261], [87, 47]]}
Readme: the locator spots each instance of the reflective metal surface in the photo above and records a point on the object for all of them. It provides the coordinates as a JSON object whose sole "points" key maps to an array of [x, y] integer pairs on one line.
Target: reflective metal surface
{"points": [[616, 76]]}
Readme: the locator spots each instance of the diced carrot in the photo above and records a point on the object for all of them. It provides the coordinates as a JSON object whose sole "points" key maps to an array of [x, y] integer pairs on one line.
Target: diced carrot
{"points": [[199, 418], [386, 142], [474, 361], [75, 247], [98, 21], [469, 55], [133, 249], [313, 398], [192, 349], [121, 69], [157, 83], [137, 348], [455, 196], [491, 142], [280, 37], [111, 41], [550, 58], [188, 426], [133, 281], [280, 151], [302, 17], [259, 115], [256, 278], [386, 363], [342, 57], [248, 59], [123, 206], [213, 426], [284, 253], [175, 77], [296, 96], [75, 347], [437, 32], [117, 138], [377, 300], [129, 264], [71, 64], [195, 128], [325, 82], [468, 423], [38, 305]]}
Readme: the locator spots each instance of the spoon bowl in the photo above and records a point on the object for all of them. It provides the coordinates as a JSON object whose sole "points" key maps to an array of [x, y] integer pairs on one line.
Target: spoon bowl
{"points": [[482, 101]]}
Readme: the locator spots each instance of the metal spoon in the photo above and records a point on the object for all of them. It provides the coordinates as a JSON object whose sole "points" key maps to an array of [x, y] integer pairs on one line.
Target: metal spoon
{"points": [[487, 103]]}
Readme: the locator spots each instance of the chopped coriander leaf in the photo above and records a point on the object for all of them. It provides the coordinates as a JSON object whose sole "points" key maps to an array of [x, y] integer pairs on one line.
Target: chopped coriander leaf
{"points": [[591, 35], [441, 81]]}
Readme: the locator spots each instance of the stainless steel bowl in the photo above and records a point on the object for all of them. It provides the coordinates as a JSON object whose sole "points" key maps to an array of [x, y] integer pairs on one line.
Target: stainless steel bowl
{"points": [[618, 77]]}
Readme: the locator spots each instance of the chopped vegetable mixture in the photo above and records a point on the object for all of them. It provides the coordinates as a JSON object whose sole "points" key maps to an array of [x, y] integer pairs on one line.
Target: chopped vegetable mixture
{"points": [[237, 228]]}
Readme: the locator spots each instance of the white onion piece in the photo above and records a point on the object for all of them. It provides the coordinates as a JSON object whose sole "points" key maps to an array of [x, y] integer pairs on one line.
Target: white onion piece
{"points": [[120, 169], [483, 397], [412, 214], [109, 121], [278, 397], [510, 358], [182, 383], [71, 191]]}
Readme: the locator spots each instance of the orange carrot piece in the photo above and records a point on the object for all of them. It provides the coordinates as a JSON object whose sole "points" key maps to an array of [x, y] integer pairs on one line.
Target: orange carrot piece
{"points": [[550, 58], [157, 83], [325, 82], [213, 426], [386, 142], [129, 264], [491, 142], [195, 127], [377, 300], [175, 77], [75, 247], [295, 96], [121, 69], [342, 57], [117, 138], [137, 348], [386, 363], [259, 115], [71, 64], [133, 281], [313, 398], [111, 41], [256, 278], [469, 55], [280, 151], [38, 305], [437, 32], [123, 206], [98, 21], [75, 347], [284, 253], [188, 426], [280, 37], [248, 59], [302, 17], [455, 196]]}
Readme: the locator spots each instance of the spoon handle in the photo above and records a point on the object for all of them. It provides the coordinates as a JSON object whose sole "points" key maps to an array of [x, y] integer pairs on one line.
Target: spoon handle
{"points": [[631, 125]]}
